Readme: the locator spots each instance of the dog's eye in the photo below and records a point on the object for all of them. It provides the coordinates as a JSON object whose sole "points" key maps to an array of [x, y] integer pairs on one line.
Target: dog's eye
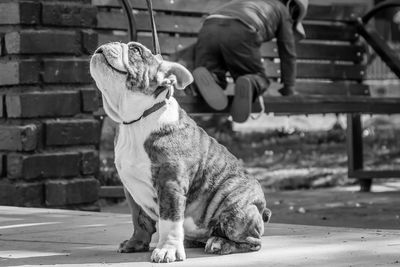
{"points": [[135, 49]]}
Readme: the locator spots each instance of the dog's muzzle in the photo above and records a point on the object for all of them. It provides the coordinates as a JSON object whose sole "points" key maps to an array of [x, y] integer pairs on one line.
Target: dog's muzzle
{"points": [[100, 51]]}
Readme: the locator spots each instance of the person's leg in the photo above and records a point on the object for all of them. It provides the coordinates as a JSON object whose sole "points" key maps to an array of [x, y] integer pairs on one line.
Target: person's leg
{"points": [[209, 89], [247, 88], [209, 72], [241, 52]]}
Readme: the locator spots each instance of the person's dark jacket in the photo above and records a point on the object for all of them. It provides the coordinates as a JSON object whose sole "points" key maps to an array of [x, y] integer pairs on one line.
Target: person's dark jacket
{"points": [[272, 20]]}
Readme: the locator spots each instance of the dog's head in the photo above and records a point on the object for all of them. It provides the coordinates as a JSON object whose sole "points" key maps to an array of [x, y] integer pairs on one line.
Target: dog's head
{"points": [[132, 79]]}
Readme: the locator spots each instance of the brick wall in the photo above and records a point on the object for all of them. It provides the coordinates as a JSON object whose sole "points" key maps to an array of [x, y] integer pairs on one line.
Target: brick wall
{"points": [[48, 135]]}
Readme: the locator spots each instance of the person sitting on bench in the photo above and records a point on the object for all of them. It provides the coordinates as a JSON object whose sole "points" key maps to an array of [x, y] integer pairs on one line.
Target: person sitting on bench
{"points": [[230, 40]]}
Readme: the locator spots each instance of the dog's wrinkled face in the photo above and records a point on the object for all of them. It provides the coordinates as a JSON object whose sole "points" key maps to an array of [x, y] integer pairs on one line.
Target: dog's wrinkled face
{"points": [[129, 77]]}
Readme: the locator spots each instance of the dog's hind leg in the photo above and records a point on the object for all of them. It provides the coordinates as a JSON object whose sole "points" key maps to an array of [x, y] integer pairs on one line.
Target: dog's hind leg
{"points": [[223, 246], [238, 230], [143, 228]]}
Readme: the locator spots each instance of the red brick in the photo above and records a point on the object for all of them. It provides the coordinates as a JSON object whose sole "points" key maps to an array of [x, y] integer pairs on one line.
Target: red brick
{"points": [[1, 45], [19, 13], [1, 165], [43, 104], [89, 41], [112, 20], [1, 105], [18, 138], [75, 1], [44, 165], [21, 194], [106, 38], [7, 193], [72, 132], [90, 99], [89, 162], [19, 72], [109, 191], [67, 192], [29, 194], [42, 42], [66, 71], [68, 14]]}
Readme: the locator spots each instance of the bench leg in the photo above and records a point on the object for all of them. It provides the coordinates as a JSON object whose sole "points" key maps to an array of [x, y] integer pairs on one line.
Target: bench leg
{"points": [[355, 149], [365, 185]]}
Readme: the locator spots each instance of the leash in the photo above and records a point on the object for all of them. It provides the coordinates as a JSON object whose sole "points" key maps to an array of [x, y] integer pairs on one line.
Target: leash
{"points": [[127, 7], [156, 44], [262, 105]]}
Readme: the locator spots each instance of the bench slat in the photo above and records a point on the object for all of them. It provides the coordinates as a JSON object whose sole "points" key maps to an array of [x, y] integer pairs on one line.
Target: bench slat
{"points": [[170, 45], [111, 192], [191, 25], [315, 12], [320, 71], [334, 88], [337, 32], [312, 87], [305, 70], [187, 6], [306, 105], [335, 12], [339, 52], [369, 174], [312, 70], [165, 23]]}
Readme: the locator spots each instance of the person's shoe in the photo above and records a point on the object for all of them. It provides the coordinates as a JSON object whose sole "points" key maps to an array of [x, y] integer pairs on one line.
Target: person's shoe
{"points": [[212, 93], [242, 101], [287, 92]]}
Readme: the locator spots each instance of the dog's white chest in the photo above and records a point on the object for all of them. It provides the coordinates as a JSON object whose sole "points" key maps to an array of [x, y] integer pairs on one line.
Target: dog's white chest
{"points": [[132, 162], [134, 166]]}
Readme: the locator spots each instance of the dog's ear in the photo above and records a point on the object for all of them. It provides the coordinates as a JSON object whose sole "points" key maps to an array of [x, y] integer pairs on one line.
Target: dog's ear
{"points": [[174, 73]]}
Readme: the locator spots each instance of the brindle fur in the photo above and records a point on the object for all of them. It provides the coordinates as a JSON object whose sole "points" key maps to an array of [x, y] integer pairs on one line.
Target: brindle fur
{"points": [[188, 165]]}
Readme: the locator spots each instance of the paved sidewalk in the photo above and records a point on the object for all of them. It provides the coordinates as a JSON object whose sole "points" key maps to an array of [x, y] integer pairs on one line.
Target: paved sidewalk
{"points": [[46, 237]]}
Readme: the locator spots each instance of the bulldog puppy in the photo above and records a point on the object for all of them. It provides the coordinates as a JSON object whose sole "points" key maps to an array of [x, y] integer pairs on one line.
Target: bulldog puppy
{"points": [[173, 172]]}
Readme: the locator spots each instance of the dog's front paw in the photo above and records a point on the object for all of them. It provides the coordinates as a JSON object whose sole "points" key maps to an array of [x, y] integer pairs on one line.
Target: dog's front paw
{"points": [[168, 253], [129, 246]]}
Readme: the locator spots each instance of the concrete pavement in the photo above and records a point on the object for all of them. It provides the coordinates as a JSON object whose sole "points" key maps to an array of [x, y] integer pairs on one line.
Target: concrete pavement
{"points": [[33, 237]]}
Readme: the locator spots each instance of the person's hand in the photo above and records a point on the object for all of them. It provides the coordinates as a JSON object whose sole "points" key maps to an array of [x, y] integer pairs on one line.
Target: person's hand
{"points": [[287, 90], [396, 17]]}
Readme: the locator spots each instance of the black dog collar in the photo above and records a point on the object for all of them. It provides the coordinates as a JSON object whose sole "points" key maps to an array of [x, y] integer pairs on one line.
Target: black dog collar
{"points": [[147, 112], [155, 107]]}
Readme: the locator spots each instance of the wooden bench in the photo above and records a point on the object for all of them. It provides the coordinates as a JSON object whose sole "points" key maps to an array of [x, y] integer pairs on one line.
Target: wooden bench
{"points": [[331, 63]]}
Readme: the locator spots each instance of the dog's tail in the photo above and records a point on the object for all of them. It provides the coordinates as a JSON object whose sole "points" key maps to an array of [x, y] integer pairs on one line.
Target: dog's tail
{"points": [[266, 215]]}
